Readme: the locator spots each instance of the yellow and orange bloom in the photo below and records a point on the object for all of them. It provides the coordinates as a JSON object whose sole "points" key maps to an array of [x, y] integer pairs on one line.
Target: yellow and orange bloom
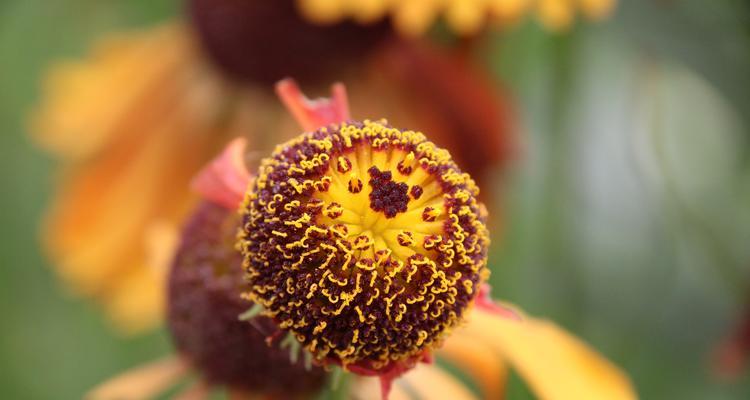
{"points": [[464, 17], [114, 119], [427, 291]]}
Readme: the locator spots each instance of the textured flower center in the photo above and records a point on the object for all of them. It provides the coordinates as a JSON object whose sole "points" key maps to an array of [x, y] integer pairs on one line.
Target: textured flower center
{"points": [[365, 241], [378, 198]]}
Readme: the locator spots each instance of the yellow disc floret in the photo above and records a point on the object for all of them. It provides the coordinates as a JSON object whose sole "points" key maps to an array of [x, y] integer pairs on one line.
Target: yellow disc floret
{"points": [[365, 241]]}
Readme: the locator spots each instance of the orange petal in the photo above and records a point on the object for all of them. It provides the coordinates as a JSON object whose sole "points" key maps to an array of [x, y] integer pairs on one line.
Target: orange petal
{"points": [[479, 361], [142, 382], [430, 382], [86, 100], [553, 363], [128, 159]]}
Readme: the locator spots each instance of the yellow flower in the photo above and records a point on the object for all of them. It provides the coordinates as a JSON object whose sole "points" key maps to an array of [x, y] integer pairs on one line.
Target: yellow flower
{"points": [[135, 120], [464, 17], [226, 350]]}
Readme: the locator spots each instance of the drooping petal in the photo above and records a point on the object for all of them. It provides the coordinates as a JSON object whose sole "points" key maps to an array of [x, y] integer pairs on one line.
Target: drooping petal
{"points": [[554, 364], [143, 382], [431, 382], [479, 361]]}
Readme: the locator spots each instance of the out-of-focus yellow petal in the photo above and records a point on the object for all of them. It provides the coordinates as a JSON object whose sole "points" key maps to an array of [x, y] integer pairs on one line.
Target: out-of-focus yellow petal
{"points": [[464, 17], [508, 10], [131, 139], [322, 11], [555, 365], [431, 382], [366, 11], [143, 382], [480, 361], [85, 100], [414, 17], [137, 302], [555, 15]]}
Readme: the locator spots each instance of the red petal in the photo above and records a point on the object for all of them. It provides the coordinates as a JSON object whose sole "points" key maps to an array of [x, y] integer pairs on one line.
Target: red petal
{"points": [[314, 114], [226, 178]]}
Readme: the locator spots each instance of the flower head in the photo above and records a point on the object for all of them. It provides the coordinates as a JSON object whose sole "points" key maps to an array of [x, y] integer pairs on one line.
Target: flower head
{"points": [[203, 307], [365, 241]]}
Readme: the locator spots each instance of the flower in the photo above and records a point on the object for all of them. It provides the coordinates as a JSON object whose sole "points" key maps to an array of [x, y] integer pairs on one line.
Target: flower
{"points": [[357, 223], [464, 17], [204, 302], [206, 279], [115, 118]]}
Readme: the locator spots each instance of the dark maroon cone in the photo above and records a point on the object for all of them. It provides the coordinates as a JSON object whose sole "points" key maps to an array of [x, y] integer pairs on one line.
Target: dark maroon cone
{"points": [[204, 303], [263, 41]]}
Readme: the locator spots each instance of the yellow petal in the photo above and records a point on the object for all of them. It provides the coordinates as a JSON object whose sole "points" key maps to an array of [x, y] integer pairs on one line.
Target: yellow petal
{"points": [[132, 124], [414, 17], [479, 361], [84, 100], [509, 9], [556, 15], [142, 382], [136, 303], [466, 17], [554, 364], [366, 11], [431, 382], [322, 11]]}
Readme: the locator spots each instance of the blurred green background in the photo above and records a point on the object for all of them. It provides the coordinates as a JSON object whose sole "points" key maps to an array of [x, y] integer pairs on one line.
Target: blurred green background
{"points": [[628, 212]]}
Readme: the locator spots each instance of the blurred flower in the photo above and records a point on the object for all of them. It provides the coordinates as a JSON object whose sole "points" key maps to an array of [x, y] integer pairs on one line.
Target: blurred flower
{"points": [[135, 120], [465, 17]]}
